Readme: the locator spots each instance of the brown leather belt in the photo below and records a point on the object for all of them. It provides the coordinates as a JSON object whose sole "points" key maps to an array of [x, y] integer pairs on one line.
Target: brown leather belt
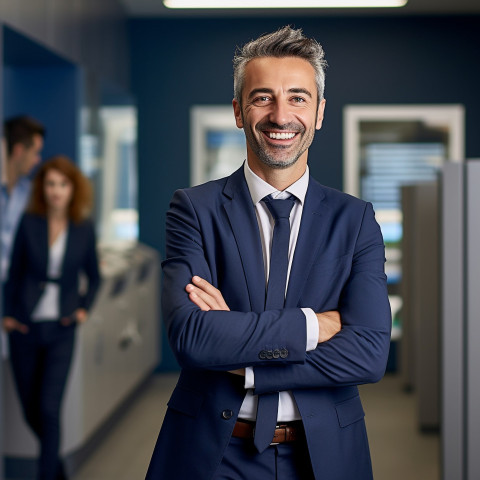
{"points": [[285, 432]]}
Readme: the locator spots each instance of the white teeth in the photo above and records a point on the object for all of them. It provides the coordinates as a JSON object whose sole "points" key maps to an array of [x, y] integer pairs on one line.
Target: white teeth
{"points": [[281, 136]]}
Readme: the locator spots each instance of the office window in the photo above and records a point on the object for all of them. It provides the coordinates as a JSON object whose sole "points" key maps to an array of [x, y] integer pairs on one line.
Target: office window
{"points": [[217, 145], [388, 146]]}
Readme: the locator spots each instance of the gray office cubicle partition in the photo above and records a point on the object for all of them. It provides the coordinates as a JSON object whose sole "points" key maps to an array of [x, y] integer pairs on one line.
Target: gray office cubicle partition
{"points": [[472, 267], [461, 321], [419, 346]]}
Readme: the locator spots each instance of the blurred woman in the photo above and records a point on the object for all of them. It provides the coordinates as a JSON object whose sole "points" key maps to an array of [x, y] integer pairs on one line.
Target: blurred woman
{"points": [[42, 301]]}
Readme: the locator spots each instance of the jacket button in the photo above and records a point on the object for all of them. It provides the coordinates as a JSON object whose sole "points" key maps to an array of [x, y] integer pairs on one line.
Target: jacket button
{"points": [[283, 353], [262, 355], [276, 353], [269, 354], [227, 414]]}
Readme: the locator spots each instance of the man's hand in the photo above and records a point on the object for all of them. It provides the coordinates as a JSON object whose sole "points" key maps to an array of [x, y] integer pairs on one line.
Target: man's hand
{"points": [[205, 296], [329, 324], [10, 324]]}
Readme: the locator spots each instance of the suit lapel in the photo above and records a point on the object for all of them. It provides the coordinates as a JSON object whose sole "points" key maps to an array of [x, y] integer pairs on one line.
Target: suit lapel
{"points": [[69, 247], [43, 243], [311, 236], [241, 214]]}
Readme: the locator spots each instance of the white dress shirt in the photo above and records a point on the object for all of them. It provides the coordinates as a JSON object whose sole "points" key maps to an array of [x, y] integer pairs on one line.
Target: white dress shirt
{"points": [[48, 306], [287, 408]]}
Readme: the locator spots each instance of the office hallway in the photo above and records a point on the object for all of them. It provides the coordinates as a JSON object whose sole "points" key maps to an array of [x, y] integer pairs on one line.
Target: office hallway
{"points": [[398, 450]]}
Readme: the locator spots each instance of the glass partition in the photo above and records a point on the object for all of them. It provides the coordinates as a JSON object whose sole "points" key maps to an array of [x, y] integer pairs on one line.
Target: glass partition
{"points": [[387, 147], [108, 157]]}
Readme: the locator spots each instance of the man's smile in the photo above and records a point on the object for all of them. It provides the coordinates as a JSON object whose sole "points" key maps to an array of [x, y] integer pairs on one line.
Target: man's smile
{"points": [[280, 135]]}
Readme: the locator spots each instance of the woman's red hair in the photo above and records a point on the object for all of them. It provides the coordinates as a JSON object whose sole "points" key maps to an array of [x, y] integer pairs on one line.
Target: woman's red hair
{"points": [[82, 198]]}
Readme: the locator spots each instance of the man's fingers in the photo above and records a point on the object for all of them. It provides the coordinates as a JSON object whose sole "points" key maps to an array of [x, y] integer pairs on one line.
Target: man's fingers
{"points": [[198, 302], [206, 298], [205, 295], [206, 287], [211, 295], [329, 324]]}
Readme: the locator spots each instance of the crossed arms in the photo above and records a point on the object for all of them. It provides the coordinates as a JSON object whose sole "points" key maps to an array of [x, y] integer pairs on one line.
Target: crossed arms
{"points": [[207, 298]]}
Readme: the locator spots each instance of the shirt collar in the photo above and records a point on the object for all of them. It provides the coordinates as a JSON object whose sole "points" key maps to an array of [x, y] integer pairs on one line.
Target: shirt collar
{"points": [[259, 188]]}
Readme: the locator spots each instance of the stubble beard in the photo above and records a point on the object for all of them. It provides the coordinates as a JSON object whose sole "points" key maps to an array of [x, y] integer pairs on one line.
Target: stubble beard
{"points": [[278, 156]]}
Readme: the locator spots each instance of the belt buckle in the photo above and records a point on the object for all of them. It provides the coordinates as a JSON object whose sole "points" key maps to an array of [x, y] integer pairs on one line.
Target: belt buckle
{"points": [[275, 443], [271, 444]]}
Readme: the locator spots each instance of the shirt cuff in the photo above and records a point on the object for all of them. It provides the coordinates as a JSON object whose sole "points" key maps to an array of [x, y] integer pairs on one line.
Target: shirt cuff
{"points": [[249, 377], [312, 329]]}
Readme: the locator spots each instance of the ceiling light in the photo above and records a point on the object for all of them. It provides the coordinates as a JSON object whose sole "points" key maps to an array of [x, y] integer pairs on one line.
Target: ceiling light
{"points": [[222, 4]]}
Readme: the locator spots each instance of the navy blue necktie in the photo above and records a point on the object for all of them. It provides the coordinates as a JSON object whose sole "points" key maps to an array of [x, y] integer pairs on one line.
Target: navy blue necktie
{"points": [[267, 409]]}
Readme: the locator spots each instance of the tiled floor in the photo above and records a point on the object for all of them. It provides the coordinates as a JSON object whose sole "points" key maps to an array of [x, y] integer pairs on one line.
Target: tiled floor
{"points": [[399, 451]]}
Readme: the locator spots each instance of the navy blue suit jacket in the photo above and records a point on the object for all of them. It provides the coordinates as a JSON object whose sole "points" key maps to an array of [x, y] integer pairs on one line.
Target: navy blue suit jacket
{"points": [[212, 232], [28, 268]]}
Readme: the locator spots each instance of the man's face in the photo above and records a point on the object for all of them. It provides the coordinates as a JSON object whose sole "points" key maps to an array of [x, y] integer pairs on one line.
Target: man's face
{"points": [[29, 157], [279, 110]]}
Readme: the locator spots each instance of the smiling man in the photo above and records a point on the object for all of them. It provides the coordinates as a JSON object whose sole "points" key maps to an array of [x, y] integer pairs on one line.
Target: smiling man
{"points": [[274, 296], [279, 117]]}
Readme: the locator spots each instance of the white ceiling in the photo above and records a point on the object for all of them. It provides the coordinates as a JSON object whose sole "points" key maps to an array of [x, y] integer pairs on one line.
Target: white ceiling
{"points": [[155, 8]]}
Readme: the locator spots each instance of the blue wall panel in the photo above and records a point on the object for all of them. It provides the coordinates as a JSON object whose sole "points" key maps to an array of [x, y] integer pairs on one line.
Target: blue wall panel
{"points": [[49, 94]]}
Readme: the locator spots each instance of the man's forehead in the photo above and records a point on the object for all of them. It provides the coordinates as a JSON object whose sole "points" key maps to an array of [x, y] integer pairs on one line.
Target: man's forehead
{"points": [[269, 72]]}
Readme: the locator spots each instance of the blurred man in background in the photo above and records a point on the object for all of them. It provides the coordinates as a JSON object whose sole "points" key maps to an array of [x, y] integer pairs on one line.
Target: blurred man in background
{"points": [[23, 144]]}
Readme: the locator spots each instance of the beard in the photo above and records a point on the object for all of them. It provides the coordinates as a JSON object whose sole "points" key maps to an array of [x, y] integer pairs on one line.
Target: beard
{"points": [[278, 156]]}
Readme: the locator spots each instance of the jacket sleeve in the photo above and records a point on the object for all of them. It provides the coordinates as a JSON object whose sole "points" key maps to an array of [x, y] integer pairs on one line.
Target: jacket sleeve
{"points": [[16, 272], [217, 340], [358, 353], [90, 268]]}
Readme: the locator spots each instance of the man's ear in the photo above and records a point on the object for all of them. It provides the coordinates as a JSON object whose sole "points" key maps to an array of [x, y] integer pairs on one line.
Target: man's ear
{"points": [[320, 114], [237, 110]]}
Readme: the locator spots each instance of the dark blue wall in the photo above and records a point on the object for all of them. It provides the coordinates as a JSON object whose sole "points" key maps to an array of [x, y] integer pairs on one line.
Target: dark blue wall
{"points": [[39, 83], [374, 60], [49, 94]]}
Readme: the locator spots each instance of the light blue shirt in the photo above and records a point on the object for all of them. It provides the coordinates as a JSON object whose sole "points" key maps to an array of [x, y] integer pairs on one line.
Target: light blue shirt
{"points": [[12, 207]]}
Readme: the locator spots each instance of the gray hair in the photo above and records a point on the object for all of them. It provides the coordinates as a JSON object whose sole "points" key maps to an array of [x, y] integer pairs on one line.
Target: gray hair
{"points": [[285, 42]]}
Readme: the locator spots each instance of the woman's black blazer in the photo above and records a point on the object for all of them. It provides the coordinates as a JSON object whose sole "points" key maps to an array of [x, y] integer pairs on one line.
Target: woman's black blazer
{"points": [[28, 268]]}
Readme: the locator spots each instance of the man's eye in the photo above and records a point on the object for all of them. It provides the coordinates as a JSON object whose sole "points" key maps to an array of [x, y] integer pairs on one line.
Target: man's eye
{"points": [[262, 99], [298, 99]]}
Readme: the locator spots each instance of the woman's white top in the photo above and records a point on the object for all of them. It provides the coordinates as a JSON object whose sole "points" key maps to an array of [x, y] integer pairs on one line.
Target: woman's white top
{"points": [[48, 306]]}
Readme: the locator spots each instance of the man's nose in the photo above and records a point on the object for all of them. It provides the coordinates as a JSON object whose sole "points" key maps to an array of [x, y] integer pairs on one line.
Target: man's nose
{"points": [[280, 113]]}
